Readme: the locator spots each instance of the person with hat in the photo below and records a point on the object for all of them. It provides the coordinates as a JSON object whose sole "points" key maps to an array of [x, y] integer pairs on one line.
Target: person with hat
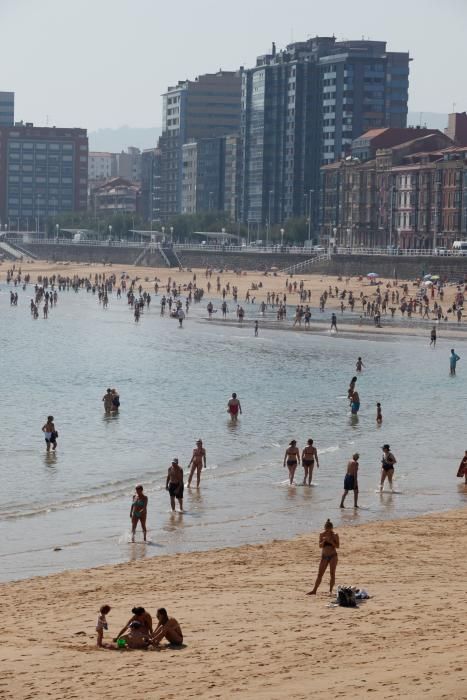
{"points": [[387, 466], [197, 462], [174, 484]]}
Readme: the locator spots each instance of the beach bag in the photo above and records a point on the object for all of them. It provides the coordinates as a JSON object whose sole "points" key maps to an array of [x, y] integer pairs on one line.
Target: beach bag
{"points": [[346, 597]]}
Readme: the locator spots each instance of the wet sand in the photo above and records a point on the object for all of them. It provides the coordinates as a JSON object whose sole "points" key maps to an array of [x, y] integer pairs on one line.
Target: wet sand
{"points": [[250, 630]]}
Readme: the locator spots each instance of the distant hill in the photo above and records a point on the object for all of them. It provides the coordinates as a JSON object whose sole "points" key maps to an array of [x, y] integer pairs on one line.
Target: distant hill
{"points": [[432, 120], [116, 140]]}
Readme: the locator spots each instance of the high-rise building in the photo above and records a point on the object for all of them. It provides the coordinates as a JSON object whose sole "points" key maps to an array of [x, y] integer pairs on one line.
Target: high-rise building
{"points": [[151, 184], [232, 176], [7, 108], [101, 166], [206, 107], [43, 172], [203, 175], [301, 108]]}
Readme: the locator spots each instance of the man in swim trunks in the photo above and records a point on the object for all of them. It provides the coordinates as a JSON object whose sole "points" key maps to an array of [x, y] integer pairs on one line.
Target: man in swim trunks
{"points": [[169, 628], [174, 484], [197, 462], [108, 401], [309, 455], [351, 480], [234, 407], [387, 466], [50, 434]]}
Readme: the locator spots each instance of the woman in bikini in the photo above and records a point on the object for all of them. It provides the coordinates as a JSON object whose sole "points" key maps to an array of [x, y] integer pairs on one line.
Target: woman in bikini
{"points": [[138, 512], [387, 466], [292, 458], [309, 455], [329, 543]]}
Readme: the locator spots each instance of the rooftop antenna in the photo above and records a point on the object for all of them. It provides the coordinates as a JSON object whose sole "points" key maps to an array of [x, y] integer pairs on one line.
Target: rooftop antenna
{"points": [[453, 106]]}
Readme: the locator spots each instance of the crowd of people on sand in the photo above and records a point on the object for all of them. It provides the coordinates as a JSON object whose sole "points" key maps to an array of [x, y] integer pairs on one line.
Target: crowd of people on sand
{"points": [[138, 633]]}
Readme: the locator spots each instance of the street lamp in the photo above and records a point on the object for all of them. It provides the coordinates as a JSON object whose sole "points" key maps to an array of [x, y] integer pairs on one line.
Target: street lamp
{"points": [[271, 193], [309, 216], [282, 237], [57, 231], [171, 234], [110, 232]]}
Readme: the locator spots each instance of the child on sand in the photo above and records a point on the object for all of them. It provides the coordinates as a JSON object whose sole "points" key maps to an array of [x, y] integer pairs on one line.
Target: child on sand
{"points": [[101, 624]]}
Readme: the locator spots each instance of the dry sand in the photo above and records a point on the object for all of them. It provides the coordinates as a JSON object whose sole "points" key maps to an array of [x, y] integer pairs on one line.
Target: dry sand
{"points": [[250, 631]]}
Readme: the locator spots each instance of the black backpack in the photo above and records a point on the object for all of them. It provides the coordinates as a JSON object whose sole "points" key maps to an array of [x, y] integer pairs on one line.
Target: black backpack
{"points": [[346, 597]]}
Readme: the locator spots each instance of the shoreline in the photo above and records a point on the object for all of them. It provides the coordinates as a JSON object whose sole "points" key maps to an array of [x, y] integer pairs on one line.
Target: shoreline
{"points": [[250, 630]]}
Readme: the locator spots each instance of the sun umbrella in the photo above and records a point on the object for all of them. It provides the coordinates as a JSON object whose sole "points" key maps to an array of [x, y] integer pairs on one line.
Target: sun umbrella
{"points": [[427, 277], [435, 277], [372, 275]]}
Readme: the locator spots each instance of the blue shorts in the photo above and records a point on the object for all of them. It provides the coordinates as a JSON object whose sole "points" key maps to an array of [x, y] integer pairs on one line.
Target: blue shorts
{"points": [[355, 407], [349, 482]]}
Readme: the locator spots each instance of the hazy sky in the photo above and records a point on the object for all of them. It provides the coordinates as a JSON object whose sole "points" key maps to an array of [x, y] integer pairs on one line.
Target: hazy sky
{"points": [[104, 63]]}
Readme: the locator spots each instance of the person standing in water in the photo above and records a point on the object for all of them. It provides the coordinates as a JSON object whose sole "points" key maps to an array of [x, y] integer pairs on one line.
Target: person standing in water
{"points": [[50, 434], [174, 484], [234, 407], [433, 337], [138, 512], [462, 471], [379, 414], [387, 466], [334, 322], [197, 462], [359, 366], [351, 388], [256, 328], [453, 359], [329, 544], [292, 458], [108, 401], [309, 455], [355, 403], [351, 480]]}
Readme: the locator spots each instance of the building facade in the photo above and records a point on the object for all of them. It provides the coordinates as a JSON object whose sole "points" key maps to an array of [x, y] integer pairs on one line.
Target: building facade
{"points": [[128, 164], [301, 108], [204, 108], [7, 108], [101, 166], [43, 172], [203, 175], [116, 196], [410, 195], [151, 184]]}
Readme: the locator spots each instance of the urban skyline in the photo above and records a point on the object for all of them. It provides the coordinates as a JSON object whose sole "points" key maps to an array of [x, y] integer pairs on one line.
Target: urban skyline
{"points": [[436, 72]]}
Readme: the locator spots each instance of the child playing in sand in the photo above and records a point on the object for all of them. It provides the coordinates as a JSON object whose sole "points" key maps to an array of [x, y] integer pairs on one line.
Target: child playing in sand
{"points": [[101, 624]]}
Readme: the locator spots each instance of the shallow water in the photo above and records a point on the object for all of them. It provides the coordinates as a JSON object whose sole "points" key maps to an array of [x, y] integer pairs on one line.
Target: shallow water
{"points": [[174, 385]]}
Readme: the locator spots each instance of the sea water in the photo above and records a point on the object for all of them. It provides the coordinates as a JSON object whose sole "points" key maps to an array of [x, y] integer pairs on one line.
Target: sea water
{"points": [[71, 509]]}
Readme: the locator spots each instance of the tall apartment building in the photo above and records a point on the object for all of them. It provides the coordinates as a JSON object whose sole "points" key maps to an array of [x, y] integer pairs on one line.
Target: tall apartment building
{"points": [[43, 171], [203, 175], [206, 107], [151, 184], [302, 107], [7, 108]]}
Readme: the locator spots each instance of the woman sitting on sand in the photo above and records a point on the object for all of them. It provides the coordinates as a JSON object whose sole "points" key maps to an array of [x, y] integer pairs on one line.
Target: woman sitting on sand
{"points": [[169, 628], [144, 627], [329, 543]]}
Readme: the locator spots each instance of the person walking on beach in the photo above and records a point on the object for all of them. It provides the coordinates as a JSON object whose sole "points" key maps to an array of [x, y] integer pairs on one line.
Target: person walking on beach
{"points": [[101, 624], [181, 317], [462, 471], [234, 407], [198, 460], [334, 322], [387, 466], [174, 484], [167, 627], [309, 455], [351, 480], [292, 458], [359, 366], [50, 434], [138, 512], [329, 544], [433, 337], [453, 359]]}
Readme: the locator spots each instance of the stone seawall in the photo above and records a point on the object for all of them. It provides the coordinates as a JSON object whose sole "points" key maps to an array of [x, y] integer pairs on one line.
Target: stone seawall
{"points": [[239, 261], [91, 254], [391, 266]]}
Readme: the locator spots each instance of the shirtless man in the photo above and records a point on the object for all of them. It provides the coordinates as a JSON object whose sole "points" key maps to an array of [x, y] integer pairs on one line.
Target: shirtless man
{"points": [[167, 627], [108, 401], [174, 484], [309, 455], [234, 407], [197, 462], [351, 480], [50, 434]]}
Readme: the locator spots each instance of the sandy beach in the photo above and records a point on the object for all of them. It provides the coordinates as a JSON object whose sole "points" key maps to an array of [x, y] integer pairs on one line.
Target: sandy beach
{"points": [[250, 631], [317, 283]]}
